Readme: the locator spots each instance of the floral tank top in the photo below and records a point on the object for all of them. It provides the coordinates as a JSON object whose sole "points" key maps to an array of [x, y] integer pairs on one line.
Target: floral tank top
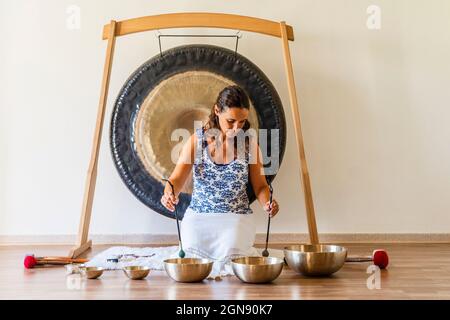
{"points": [[219, 188]]}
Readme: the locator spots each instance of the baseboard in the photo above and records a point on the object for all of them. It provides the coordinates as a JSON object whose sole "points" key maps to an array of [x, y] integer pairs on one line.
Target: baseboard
{"points": [[167, 239]]}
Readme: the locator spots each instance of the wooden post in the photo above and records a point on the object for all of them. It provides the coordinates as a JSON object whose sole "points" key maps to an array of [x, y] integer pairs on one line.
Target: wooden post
{"points": [[310, 215], [82, 241]]}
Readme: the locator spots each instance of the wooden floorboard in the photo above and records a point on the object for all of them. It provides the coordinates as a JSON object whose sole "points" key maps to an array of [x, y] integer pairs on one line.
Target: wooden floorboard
{"points": [[416, 271]]}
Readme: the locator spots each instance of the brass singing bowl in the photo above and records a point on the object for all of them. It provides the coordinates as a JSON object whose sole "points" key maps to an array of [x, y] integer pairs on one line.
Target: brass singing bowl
{"points": [[315, 260], [136, 272], [188, 269], [91, 272], [257, 269]]}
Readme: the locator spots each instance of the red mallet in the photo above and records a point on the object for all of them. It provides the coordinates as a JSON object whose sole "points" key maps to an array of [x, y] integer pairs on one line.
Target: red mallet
{"points": [[30, 261], [379, 258]]}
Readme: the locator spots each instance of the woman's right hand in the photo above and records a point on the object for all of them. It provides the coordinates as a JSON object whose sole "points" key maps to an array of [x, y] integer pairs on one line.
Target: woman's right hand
{"points": [[169, 200]]}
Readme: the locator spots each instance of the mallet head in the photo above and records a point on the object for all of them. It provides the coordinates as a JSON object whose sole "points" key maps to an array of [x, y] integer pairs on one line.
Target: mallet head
{"points": [[380, 258]]}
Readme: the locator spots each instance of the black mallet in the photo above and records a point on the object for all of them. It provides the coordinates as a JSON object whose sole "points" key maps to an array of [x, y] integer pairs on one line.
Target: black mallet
{"points": [[265, 253], [181, 253]]}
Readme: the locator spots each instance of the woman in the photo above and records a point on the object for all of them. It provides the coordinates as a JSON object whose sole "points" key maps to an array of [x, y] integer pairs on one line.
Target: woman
{"points": [[218, 224]]}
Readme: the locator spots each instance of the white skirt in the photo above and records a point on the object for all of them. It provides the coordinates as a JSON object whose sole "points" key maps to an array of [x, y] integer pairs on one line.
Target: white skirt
{"points": [[218, 236]]}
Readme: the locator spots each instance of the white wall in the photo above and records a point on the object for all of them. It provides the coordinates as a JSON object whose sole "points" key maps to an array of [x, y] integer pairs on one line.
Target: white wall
{"points": [[374, 107]]}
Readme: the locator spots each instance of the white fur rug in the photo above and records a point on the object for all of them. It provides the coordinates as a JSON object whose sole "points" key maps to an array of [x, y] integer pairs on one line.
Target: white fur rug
{"points": [[115, 258]]}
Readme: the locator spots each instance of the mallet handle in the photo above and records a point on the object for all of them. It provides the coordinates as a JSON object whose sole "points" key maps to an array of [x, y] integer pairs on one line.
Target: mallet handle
{"points": [[59, 260], [359, 259]]}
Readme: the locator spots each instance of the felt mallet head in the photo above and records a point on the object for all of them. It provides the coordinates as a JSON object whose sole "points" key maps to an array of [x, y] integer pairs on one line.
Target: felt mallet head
{"points": [[380, 258], [29, 261]]}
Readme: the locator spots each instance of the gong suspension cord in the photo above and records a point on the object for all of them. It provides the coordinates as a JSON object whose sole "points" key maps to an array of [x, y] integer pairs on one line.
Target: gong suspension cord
{"points": [[237, 36]]}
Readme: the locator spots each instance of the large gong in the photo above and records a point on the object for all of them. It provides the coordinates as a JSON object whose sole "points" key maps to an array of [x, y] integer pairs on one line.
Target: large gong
{"points": [[171, 91]]}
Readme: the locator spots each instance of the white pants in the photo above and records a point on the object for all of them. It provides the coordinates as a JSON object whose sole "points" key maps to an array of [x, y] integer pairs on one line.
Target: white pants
{"points": [[218, 236]]}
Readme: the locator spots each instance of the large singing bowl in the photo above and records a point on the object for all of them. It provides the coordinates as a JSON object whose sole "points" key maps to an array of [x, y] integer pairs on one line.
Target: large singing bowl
{"points": [[170, 92], [315, 260]]}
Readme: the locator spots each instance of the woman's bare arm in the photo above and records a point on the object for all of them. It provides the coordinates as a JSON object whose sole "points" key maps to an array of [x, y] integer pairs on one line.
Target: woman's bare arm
{"points": [[180, 173], [259, 182]]}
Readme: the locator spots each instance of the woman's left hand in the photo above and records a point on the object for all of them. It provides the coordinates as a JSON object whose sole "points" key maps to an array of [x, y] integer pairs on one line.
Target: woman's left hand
{"points": [[271, 211]]}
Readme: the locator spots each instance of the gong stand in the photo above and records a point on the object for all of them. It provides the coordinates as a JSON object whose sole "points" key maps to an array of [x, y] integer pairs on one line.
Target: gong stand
{"points": [[237, 36], [190, 20]]}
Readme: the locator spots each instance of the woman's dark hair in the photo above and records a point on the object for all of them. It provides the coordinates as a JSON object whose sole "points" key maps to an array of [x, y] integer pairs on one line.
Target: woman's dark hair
{"points": [[231, 96]]}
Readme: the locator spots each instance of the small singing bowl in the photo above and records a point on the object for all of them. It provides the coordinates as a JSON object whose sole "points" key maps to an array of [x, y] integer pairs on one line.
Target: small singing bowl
{"points": [[188, 269], [136, 272], [315, 260], [91, 272], [257, 269]]}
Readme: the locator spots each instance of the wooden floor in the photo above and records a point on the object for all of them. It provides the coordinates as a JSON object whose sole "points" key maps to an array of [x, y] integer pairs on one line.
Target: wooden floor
{"points": [[417, 271]]}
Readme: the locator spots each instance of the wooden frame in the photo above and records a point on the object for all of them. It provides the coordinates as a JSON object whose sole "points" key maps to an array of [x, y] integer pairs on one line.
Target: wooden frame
{"points": [[188, 20]]}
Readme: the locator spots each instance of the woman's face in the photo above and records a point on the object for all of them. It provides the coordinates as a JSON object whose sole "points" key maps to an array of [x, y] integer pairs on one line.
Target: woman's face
{"points": [[231, 119]]}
